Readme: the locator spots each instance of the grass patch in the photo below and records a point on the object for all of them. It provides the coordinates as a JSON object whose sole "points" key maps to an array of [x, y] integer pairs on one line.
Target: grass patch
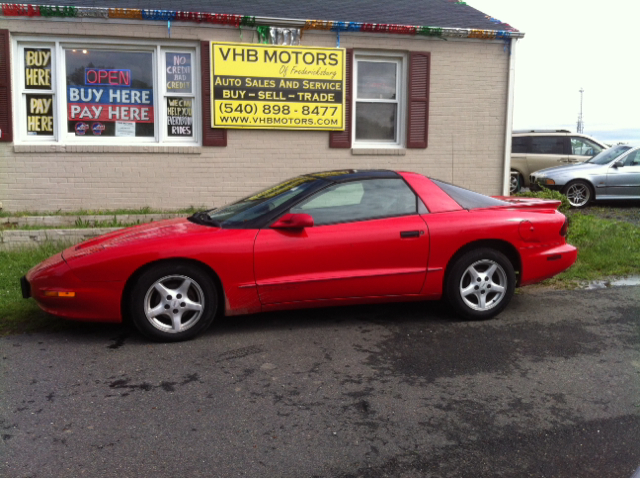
{"points": [[18, 315], [605, 248]]}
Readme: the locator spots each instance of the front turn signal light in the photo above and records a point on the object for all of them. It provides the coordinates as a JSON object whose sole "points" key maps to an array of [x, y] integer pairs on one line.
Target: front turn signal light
{"points": [[547, 181], [60, 294]]}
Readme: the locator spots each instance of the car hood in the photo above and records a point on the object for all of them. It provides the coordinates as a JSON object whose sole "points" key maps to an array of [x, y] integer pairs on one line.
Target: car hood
{"points": [[172, 228], [559, 170]]}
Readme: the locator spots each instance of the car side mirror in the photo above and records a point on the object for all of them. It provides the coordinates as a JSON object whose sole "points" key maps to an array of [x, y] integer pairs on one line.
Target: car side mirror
{"points": [[294, 221], [618, 164]]}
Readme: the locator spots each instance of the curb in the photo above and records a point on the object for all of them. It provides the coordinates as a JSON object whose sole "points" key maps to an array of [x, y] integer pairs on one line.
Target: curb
{"points": [[69, 220], [17, 238], [11, 239]]}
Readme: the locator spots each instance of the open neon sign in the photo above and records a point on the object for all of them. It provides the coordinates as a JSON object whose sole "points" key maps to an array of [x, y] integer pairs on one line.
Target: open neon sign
{"points": [[104, 76]]}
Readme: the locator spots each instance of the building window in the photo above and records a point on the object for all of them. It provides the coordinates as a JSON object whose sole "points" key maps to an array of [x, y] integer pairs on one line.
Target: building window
{"points": [[38, 91], [378, 101], [103, 93], [109, 93]]}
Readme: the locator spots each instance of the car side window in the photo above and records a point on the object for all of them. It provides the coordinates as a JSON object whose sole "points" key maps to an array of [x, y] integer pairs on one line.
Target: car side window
{"points": [[633, 159], [360, 200], [584, 147], [548, 145], [520, 144]]}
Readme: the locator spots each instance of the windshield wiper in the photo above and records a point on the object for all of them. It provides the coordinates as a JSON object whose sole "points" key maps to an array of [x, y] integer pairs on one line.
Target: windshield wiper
{"points": [[203, 218]]}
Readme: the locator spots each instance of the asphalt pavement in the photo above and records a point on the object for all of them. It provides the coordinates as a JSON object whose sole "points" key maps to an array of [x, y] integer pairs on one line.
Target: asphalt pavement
{"points": [[551, 387]]}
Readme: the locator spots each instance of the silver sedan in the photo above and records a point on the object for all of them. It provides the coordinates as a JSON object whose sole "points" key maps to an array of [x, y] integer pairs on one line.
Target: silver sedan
{"points": [[614, 174]]}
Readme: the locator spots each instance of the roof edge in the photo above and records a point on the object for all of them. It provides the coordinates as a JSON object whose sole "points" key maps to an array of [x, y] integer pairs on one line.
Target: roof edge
{"points": [[238, 21]]}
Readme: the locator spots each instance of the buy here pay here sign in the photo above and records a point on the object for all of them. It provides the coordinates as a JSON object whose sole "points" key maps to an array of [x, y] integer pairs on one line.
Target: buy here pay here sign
{"points": [[277, 87]]}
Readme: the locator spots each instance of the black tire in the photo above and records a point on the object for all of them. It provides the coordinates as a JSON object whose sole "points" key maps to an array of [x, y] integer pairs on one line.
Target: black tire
{"points": [[483, 299], [579, 193], [515, 183], [186, 309]]}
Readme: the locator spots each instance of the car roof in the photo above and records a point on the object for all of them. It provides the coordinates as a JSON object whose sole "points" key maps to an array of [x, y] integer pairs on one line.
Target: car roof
{"points": [[520, 132], [349, 175]]}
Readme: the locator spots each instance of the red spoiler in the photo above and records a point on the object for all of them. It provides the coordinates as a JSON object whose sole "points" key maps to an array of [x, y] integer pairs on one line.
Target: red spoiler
{"points": [[530, 203]]}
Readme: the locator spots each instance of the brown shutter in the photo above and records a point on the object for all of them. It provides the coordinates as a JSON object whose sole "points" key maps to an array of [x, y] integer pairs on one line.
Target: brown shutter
{"points": [[418, 111], [210, 136], [6, 117], [342, 139]]}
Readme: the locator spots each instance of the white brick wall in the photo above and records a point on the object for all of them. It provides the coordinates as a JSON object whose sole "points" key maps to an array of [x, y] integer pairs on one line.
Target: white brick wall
{"points": [[468, 99]]}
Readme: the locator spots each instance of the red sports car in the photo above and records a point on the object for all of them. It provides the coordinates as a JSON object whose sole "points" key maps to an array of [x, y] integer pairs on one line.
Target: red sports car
{"points": [[323, 239]]}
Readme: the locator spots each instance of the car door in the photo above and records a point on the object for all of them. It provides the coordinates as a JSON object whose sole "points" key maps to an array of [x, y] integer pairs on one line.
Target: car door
{"points": [[546, 151], [624, 180], [367, 240]]}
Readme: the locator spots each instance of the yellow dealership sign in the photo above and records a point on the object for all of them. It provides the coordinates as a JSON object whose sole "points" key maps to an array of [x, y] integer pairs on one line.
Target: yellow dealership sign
{"points": [[277, 87]]}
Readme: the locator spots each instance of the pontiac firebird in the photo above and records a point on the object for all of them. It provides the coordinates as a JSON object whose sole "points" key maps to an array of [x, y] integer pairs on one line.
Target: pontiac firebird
{"points": [[322, 239]]}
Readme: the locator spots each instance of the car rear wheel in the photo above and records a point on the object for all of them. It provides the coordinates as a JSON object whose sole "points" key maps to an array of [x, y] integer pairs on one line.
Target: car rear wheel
{"points": [[173, 302], [480, 284], [579, 193]]}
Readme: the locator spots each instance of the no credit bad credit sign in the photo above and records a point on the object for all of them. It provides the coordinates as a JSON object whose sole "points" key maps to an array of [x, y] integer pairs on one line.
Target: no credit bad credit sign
{"points": [[277, 87]]}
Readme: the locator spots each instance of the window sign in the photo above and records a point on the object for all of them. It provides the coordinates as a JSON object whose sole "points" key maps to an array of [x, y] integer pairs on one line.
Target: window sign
{"points": [[179, 116], [277, 87], [37, 68], [39, 114], [125, 128], [105, 88], [178, 72]]}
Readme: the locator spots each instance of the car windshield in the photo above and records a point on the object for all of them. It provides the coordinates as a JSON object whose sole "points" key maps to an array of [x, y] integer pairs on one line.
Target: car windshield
{"points": [[258, 204], [607, 155]]}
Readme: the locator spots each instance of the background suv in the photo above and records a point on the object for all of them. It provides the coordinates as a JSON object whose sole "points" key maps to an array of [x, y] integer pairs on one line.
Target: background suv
{"points": [[532, 150]]}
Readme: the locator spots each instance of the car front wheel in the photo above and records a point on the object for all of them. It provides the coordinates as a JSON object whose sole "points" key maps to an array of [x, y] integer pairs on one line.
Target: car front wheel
{"points": [[480, 284], [579, 193], [173, 302]]}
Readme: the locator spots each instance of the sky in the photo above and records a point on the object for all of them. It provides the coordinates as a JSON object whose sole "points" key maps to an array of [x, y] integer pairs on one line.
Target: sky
{"points": [[573, 44]]}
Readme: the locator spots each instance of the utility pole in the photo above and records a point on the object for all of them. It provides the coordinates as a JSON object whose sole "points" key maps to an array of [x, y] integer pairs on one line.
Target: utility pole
{"points": [[580, 122]]}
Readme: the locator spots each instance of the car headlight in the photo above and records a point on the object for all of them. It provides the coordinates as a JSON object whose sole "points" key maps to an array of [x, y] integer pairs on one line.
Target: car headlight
{"points": [[546, 181]]}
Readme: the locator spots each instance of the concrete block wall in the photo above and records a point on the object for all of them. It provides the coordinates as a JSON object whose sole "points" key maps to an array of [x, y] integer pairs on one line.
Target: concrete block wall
{"points": [[468, 98]]}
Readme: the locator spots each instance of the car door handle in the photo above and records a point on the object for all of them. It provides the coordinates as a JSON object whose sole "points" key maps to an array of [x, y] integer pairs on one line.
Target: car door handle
{"points": [[410, 234]]}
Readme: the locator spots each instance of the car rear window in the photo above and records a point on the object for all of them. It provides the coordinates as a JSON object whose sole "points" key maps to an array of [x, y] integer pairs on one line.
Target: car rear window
{"points": [[468, 199]]}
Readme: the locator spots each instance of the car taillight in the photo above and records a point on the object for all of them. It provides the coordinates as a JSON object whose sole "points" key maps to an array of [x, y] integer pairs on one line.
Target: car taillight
{"points": [[565, 227]]}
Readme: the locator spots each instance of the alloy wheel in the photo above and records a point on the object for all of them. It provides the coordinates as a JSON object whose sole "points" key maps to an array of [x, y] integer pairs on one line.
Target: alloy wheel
{"points": [[174, 303], [483, 285], [578, 194]]}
